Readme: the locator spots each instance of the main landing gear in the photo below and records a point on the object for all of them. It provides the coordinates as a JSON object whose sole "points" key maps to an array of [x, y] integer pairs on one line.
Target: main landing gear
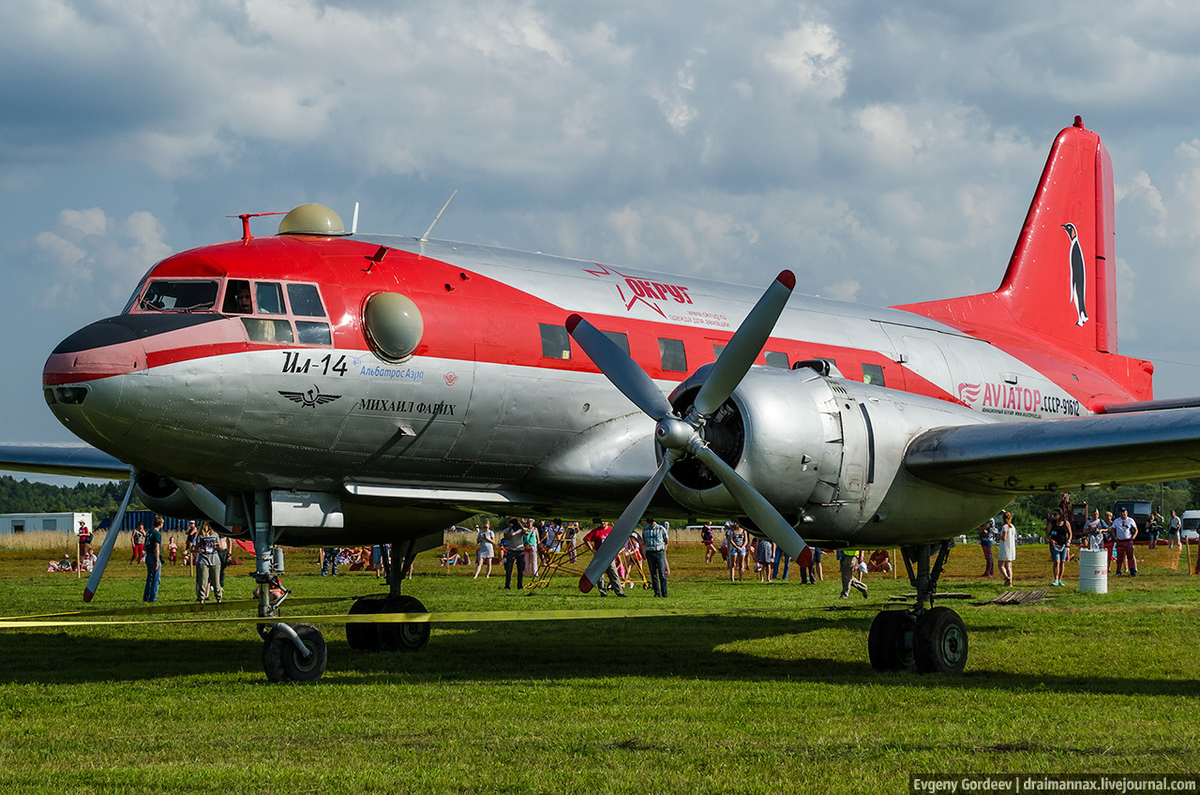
{"points": [[926, 639], [408, 637]]}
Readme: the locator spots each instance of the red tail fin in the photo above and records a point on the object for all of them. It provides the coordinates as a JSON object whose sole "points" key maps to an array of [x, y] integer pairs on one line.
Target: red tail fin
{"points": [[1060, 287]]}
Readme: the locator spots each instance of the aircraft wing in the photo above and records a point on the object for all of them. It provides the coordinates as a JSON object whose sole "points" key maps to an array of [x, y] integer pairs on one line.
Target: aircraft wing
{"points": [[1023, 457], [70, 458]]}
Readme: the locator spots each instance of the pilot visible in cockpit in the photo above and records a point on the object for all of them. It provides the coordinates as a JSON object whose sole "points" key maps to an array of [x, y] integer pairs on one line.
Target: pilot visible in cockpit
{"points": [[238, 302]]}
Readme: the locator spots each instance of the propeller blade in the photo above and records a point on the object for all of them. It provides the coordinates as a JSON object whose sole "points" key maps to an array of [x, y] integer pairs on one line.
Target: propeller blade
{"points": [[746, 344], [754, 504], [110, 541], [621, 370], [625, 524]]}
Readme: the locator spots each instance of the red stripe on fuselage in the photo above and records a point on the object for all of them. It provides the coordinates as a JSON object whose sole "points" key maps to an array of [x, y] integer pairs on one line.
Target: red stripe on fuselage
{"points": [[468, 317]]}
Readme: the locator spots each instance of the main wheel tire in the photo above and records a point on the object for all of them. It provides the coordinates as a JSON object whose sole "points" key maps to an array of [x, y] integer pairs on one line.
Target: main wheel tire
{"points": [[890, 642], [403, 637], [364, 637], [940, 642], [283, 662]]}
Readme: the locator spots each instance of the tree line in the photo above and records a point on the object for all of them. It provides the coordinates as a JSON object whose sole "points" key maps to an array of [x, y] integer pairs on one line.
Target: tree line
{"points": [[24, 496]]}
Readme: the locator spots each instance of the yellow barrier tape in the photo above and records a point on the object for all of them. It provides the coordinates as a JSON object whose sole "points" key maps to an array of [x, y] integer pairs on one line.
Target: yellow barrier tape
{"points": [[471, 617], [185, 607]]}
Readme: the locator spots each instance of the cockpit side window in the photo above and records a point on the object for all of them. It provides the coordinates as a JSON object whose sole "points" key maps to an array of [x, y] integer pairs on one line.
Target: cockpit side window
{"points": [[269, 297], [305, 300], [177, 295], [237, 298]]}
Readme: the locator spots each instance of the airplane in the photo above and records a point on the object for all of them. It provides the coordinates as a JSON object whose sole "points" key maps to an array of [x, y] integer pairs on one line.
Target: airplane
{"points": [[325, 387]]}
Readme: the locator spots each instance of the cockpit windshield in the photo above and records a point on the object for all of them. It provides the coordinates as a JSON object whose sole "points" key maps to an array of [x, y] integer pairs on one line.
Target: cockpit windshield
{"points": [[170, 295]]}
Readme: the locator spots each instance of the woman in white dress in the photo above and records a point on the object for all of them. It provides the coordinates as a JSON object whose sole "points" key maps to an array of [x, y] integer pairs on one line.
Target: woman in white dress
{"points": [[486, 540], [1008, 548]]}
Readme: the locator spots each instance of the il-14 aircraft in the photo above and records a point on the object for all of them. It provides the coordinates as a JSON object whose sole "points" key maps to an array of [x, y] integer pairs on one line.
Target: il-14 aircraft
{"points": [[319, 387]]}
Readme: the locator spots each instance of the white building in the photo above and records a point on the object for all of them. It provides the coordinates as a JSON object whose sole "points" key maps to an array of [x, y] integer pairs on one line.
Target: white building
{"points": [[42, 522]]}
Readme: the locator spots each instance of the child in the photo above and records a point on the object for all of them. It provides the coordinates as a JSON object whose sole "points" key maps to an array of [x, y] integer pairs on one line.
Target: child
{"points": [[173, 551]]}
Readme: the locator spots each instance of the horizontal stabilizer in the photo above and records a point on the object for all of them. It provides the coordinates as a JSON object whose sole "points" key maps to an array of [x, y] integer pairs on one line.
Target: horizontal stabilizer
{"points": [[1048, 455]]}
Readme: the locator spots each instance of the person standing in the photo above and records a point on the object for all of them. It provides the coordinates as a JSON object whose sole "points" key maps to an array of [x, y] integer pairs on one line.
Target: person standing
{"points": [[1174, 526], [710, 547], [1008, 548], [329, 556], [849, 564], [486, 540], [737, 550], [514, 553], [656, 537], [1125, 531], [138, 537], [1058, 533], [765, 556], [987, 541], [208, 563], [153, 560], [85, 540]]}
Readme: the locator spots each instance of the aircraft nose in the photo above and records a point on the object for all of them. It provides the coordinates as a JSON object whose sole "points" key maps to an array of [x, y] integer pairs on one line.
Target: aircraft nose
{"points": [[103, 349]]}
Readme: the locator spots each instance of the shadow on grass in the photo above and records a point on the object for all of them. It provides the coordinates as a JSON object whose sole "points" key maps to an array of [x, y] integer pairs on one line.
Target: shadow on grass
{"points": [[704, 649]]}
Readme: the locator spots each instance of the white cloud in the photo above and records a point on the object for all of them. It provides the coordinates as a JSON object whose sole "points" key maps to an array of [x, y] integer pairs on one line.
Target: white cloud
{"points": [[811, 60], [92, 259]]}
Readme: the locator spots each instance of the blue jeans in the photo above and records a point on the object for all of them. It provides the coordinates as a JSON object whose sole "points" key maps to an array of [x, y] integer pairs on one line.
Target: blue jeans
{"points": [[656, 559], [153, 577], [780, 555], [330, 559]]}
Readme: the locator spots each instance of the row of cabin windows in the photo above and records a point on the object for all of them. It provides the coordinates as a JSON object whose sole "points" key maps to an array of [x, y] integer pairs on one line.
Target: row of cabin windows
{"points": [[556, 344]]}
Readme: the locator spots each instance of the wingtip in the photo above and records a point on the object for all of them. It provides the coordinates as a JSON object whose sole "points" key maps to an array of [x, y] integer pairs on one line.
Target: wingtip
{"points": [[787, 279], [573, 321], [585, 585]]}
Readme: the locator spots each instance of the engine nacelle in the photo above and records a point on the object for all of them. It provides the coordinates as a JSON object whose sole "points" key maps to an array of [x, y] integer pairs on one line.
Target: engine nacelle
{"points": [[824, 451], [163, 496]]}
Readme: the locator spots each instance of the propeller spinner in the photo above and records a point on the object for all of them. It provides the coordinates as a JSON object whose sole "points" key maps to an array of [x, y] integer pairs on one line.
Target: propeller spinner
{"points": [[680, 436]]}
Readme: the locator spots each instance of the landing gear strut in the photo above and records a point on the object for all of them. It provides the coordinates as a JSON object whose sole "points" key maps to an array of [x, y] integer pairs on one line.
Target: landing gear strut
{"points": [[291, 652], [927, 639]]}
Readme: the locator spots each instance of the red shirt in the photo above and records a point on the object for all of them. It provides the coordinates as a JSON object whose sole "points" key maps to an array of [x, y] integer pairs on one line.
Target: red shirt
{"points": [[595, 538]]}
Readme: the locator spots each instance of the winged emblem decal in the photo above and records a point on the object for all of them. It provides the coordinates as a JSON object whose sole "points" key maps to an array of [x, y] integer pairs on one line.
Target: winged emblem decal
{"points": [[310, 398]]}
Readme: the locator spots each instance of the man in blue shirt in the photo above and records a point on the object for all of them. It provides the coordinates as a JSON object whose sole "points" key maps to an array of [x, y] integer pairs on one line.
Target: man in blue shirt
{"points": [[153, 560], [655, 537]]}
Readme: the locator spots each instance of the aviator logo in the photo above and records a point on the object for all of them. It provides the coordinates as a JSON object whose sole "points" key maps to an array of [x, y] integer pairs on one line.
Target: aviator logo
{"points": [[969, 393], [634, 290]]}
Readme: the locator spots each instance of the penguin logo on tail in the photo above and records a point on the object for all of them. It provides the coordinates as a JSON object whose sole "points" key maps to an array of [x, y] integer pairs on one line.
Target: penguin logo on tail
{"points": [[1078, 275]]}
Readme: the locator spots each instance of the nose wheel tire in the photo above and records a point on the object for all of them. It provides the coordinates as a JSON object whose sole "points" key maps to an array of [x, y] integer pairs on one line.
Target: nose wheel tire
{"points": [[940, 642], [890, 642], [403, 637], [364, 637], [283, 662]]}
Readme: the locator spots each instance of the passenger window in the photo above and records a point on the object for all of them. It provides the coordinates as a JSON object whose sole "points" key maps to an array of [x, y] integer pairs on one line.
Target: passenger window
{"points": [[717, 351], [261, 330], [237, 298], [556, 342], [305, 300], [621, 339], [310, 333], [674, 357], [777, 359], [269, 296], [872, 374]]}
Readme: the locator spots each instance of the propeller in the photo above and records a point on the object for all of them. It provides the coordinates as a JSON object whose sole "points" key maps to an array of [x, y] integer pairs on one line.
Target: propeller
{"points": [[110, 541], [680, 436]]}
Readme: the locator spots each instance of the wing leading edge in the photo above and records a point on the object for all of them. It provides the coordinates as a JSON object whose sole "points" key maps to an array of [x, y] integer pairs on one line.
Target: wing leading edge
{"points": [[1024, 457], [74, 459]]}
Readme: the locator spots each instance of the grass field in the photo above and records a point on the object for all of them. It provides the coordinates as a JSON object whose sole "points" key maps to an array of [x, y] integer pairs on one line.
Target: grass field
{"points": [[753, 703]]}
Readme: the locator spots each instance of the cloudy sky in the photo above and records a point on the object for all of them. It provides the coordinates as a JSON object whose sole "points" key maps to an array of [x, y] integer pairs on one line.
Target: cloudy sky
{"points": [[886, 152]]}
